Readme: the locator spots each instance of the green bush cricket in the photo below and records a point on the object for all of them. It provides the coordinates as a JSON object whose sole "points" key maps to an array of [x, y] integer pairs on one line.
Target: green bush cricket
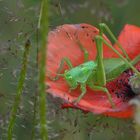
{"points": [[95, 74]]}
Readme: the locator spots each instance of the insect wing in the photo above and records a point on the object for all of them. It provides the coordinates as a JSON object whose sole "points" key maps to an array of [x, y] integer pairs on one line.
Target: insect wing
{"points": [[113, 68]]}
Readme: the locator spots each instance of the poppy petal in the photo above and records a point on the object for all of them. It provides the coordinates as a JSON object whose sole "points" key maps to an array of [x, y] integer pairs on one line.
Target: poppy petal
{"points": [[62, 42], [129, 38], [125, 113], [97, 102]]}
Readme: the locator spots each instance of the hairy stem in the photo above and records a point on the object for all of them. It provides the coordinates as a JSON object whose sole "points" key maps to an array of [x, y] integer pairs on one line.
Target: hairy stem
{"points": [[34, 116], [59, 8], [19, 91], [43, 30]]}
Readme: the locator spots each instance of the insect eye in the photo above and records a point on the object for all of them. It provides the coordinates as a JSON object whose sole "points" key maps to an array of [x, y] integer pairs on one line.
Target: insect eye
{"points": [[69, 77]]}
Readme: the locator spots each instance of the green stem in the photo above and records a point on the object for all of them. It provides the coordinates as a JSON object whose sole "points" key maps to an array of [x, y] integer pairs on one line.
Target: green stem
{"points": [[123, 58], [34, 116], [43, 28], [136, 103], [19, 91], [59, 8], [104, 26]]}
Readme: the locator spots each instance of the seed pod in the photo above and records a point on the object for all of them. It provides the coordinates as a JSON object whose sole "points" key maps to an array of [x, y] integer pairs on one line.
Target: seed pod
{"points": [[134, 83]]}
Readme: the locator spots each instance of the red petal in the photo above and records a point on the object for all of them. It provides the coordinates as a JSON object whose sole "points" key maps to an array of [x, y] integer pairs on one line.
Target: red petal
{"points": [[96, 102], [62, 43], [129, 38], [126, 113]]}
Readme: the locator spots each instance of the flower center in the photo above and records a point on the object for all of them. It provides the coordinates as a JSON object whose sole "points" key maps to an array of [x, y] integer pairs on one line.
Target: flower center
{"points": [[126, 86], [134, 83]]}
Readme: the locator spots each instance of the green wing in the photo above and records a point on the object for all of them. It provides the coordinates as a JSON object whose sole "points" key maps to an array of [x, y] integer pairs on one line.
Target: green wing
{"points": [[114, 67]]}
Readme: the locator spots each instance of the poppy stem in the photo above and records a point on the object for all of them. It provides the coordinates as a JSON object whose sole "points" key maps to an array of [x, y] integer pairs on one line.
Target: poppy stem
{"points": [[59, 8], [43, 25], [136, 103], [19, 91]]}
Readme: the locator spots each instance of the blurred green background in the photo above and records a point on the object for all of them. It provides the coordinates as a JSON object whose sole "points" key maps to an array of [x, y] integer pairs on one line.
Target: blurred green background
{"points": [[18, 22]]}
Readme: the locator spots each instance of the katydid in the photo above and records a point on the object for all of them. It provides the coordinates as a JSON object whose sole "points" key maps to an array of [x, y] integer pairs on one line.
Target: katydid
{"points": [[96, 73]]}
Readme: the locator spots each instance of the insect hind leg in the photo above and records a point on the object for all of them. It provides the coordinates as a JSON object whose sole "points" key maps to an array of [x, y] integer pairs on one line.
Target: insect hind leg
{"points": [[94, 87], [135, 60], [103, 26]]}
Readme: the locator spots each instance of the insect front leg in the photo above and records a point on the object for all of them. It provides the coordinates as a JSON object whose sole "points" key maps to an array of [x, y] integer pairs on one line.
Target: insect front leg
{"points": [[100, 76], [83, 89], [86, 54], [63, 61]]}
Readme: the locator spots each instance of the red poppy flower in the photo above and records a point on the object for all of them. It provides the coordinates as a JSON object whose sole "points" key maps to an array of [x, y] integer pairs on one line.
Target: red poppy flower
{"points": [[62, 42]]}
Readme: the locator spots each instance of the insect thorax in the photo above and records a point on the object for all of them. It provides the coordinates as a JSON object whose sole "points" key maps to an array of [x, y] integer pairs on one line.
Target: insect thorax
{"points": [[81, 73]]}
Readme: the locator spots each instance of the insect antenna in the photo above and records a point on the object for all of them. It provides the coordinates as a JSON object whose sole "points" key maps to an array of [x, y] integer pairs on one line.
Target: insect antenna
{"points": [[58, 75]]}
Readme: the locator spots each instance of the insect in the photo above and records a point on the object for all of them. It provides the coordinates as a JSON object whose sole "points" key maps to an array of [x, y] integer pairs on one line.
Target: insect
{"points": [[95, 74]]}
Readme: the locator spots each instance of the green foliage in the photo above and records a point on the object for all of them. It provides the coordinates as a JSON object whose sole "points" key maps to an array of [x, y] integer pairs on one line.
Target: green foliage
{"points": [[72, 124]]}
